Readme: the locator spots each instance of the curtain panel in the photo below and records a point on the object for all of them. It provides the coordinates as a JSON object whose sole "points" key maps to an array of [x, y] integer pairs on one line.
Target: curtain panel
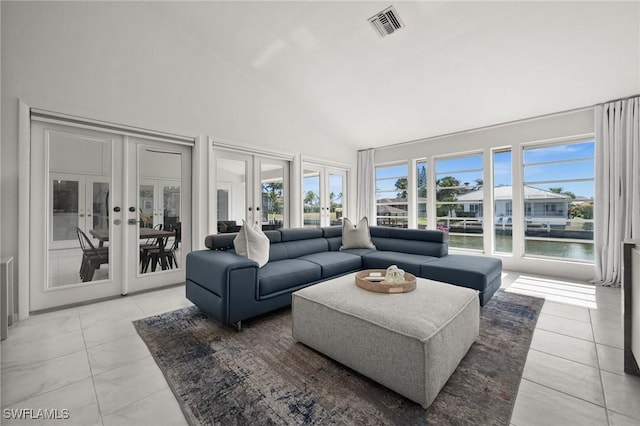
{"points": [[617, 209], [366, 186]]}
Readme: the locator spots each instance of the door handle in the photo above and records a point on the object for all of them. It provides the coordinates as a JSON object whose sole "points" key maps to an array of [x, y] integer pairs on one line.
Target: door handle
{"points": [[133, 221]]}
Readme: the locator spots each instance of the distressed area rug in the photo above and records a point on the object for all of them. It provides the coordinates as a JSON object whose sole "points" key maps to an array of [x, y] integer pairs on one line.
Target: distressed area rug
{"points": [[260, 376]]}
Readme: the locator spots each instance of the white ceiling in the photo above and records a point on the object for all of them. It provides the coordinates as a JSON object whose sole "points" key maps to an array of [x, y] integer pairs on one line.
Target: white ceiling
{"points": [[456, 65]]}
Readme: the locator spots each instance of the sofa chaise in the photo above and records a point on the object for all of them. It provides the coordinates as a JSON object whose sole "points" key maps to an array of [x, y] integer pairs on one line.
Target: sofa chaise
{"points": [[232, 288]]}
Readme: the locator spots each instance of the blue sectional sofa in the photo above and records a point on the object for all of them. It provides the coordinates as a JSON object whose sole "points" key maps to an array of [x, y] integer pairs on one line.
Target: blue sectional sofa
{"points": [[231, 288]]}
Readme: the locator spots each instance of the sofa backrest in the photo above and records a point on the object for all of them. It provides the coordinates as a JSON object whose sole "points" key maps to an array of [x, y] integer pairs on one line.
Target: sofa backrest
{"points": [[298, 242], [414, 241], [295, 242], [333, 234], [224, 242]]}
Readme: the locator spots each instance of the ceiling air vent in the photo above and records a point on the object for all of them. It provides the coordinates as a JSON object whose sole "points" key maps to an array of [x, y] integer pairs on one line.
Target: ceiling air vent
{"points": [[386, 22]]}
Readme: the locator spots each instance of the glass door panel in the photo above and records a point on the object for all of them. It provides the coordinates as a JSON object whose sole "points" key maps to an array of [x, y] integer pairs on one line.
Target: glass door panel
{"points": [[79, 174], [160, 208], [231, 179], [273, 190], [336, 194], [311, 198]]}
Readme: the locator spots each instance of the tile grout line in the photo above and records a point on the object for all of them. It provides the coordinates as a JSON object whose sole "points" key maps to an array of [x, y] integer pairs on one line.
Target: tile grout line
{"points": [[564, 358], [93, 382], [567, 394], [604, 395], [43, 393]]}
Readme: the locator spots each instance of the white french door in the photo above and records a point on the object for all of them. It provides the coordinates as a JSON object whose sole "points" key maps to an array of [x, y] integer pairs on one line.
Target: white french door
{"points": [[162, 170], [324, 190], [252, 188], [84, 191]]}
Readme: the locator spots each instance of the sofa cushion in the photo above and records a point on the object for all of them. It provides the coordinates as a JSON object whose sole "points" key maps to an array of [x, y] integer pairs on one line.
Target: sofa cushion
{"points": [[334, 262], [356, 236], [383, 259], [468, 271], [285, 275], [358, 252]]}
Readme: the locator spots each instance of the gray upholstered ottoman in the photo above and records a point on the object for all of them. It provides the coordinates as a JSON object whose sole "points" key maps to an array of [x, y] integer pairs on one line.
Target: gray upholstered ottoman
{"points": [[409, 342]]}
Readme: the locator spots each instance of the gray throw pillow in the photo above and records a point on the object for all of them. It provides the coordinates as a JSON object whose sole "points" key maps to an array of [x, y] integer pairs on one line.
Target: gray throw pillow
{"points": [[356, 236]]}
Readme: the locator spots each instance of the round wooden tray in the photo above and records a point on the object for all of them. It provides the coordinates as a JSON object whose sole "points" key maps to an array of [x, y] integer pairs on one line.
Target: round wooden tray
{"points": [[408, 285]]}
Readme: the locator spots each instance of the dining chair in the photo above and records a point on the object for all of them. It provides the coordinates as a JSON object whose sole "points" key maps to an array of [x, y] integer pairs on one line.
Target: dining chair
{"points": [[154, 256], [92, 257], [149, 244]]}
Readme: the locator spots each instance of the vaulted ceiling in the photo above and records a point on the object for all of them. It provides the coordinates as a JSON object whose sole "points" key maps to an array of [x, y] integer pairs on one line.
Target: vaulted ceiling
{"points": [[455, 66]]}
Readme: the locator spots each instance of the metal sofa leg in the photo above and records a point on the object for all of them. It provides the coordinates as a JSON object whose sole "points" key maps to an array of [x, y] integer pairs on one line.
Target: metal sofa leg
{"points": [[238, 326]]}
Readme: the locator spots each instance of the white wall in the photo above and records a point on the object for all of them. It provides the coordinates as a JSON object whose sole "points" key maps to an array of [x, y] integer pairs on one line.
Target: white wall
{"points": [[557, 126], [118, 62], [538, 129]]}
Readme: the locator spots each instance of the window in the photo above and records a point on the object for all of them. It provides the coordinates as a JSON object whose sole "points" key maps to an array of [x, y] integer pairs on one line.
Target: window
{"points": [[392, 206], [421, 201], [502, 201], [558, 189], [459, 195]]}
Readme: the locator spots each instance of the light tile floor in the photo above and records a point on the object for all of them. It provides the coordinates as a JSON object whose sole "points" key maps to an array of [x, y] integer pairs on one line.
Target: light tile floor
{"points": [[91, 361]]}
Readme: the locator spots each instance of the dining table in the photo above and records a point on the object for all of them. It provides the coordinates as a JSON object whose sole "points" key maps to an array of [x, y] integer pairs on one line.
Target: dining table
{"points": [[161, 237]]}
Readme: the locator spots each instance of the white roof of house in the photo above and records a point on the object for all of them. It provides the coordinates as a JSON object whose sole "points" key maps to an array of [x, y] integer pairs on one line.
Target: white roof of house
{"points": [[504, 193]]}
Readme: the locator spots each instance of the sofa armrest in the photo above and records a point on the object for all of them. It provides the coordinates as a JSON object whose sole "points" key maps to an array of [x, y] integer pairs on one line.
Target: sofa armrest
{"points": [[212, 269]]}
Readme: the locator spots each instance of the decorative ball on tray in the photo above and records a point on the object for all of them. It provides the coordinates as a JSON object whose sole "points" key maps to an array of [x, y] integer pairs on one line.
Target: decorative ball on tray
{"points": [[392, 280], [394, 275]]}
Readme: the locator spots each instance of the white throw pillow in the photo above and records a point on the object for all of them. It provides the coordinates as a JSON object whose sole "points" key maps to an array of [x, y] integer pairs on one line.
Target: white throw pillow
{"points": [[252, 243], [356, 236]]}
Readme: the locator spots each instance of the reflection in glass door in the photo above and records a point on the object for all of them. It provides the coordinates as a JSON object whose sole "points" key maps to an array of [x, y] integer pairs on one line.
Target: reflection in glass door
{"points": [[65, 209], [77, 200]]}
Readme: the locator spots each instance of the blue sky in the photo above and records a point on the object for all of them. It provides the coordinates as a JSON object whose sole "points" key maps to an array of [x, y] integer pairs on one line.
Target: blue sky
{"points": [[580, 165], [312, 183]]}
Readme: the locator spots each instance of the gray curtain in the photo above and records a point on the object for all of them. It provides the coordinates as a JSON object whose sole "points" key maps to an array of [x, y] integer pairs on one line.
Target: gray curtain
{"points": [[617, 207], [366, 186]]}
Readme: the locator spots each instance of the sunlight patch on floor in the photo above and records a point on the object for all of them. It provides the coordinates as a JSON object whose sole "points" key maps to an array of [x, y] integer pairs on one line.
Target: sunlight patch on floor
{"points": [[555, 290]]}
